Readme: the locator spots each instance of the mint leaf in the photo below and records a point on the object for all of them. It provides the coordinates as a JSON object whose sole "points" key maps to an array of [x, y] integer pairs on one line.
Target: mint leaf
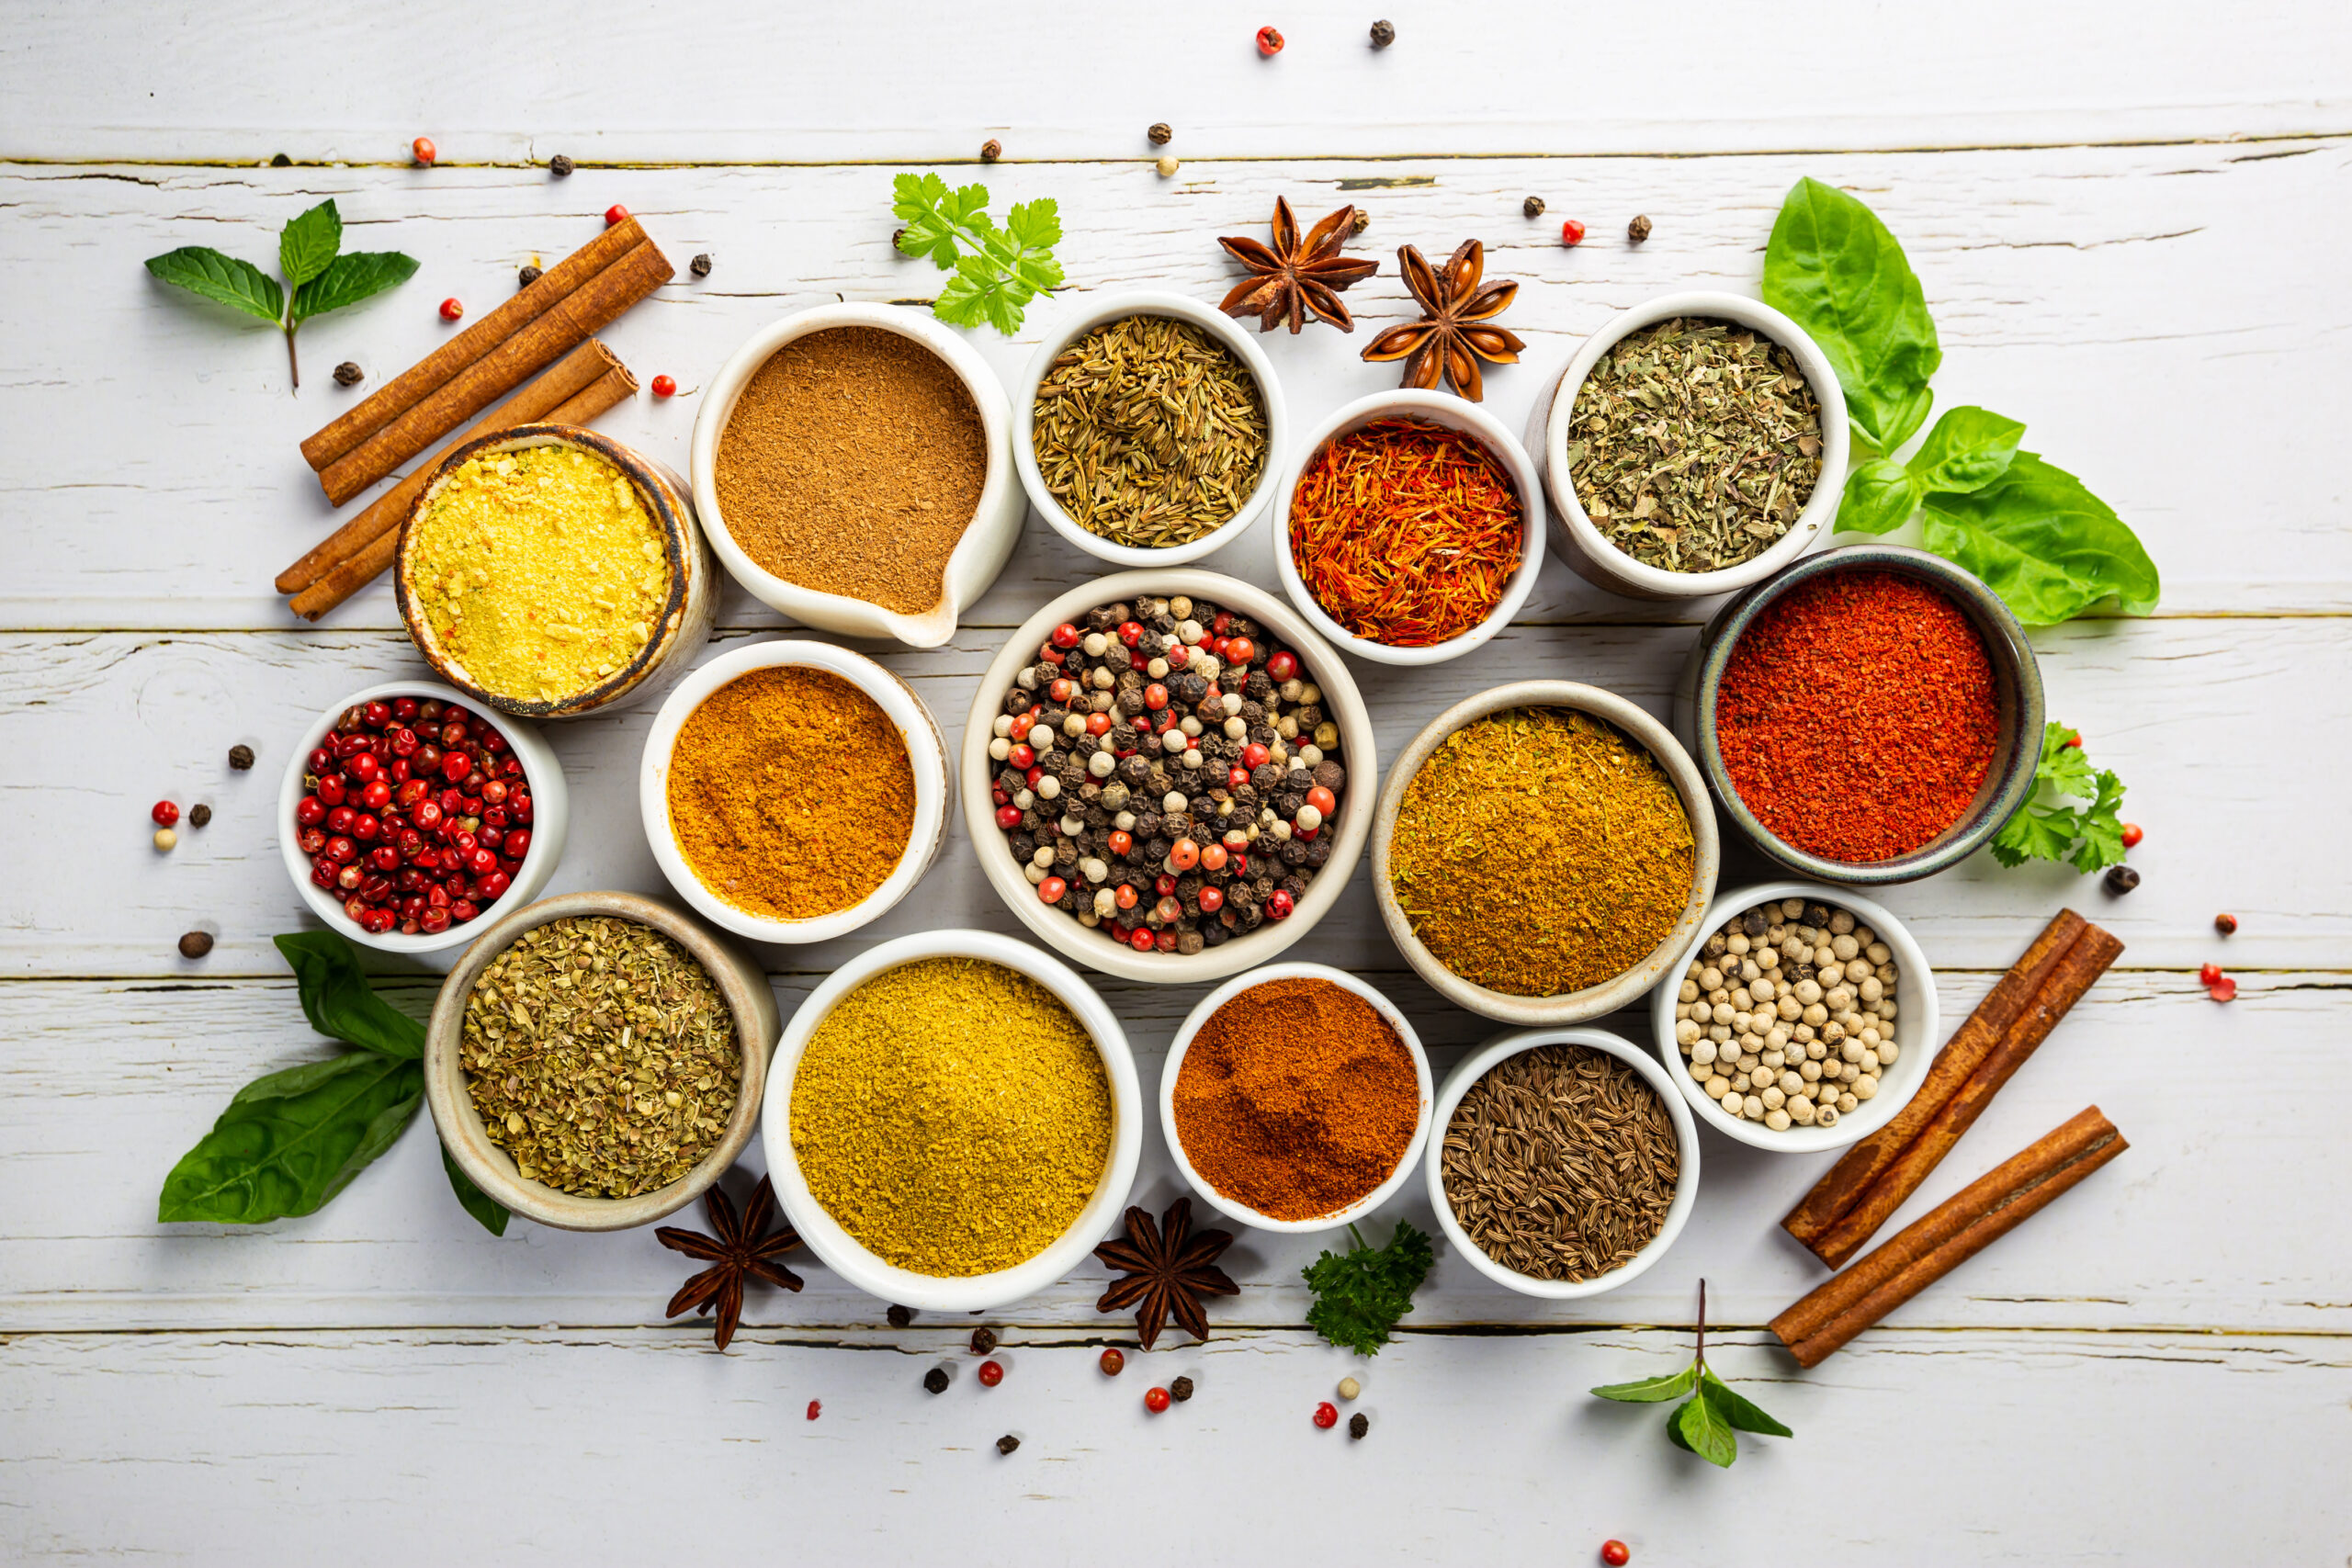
{"points": [[1697, 1427], [350, 279], [339, 1003], [1881, 495], [1738, 1412], [239, 285], [1968, 449], [1360, 1293], [477, 1202], [292, 1140], [1649, 1391], [2045, 543], [1832, 267], [308, 244]]}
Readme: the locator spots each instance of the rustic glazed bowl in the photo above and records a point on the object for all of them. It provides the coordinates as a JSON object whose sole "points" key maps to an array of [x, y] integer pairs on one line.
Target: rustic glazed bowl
{"points": [[1574, 1007], [979, 555], [1233, 1208], [926, 757], [1916, 1025], [1491, 1054], [975, 1293], [1358, 755], [550, 822], [1101, 313], [684, 619], [1454, 414], [2017, 676], [1587, 550], [740, 982]]}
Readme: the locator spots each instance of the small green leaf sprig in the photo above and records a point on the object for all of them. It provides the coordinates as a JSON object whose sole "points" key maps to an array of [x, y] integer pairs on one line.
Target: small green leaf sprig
{"points": [[1706, 1422], [1360, 1293], [998, 271], [318, 279], [2089, 836]]}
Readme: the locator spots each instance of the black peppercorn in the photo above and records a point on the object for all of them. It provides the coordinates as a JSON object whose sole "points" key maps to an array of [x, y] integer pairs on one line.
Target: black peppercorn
{"points": [[1384, 33], [991, 150], [199, 815], [1161, 134], [700, 265], [1532, 206], [935, 1380], [1181, 1389], [528, 276], [1818, 916], [1752, 924], [241, 757], [1638, 229], [346, 374], [559, 165], [195, 944], [901, 1316], [2121, 879], [1358, 1425], [1007, 1443], [281, 162], [983, 1342]]}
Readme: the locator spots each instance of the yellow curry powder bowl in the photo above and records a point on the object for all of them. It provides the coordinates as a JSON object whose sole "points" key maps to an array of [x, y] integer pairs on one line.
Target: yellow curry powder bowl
{"points": [[583, 571]]}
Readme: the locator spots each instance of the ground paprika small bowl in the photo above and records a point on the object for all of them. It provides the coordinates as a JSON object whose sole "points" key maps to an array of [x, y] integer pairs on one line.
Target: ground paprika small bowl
{"points": [[1233, 1208]]}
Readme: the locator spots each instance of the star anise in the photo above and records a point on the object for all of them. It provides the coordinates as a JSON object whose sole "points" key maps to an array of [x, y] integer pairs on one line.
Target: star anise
{"points": [[742, 1246], [1449, 340], [1168, 1269], [1291, 277]]}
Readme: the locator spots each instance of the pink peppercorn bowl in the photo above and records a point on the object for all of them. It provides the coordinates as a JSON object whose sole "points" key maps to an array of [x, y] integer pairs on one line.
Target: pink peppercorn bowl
{"points": [[551, 825]]}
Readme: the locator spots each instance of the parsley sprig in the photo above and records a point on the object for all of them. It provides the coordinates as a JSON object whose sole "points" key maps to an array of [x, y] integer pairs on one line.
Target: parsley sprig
{"points": [[998, 270], [1705, 1423], [2089, 836], [1360, 1293]]}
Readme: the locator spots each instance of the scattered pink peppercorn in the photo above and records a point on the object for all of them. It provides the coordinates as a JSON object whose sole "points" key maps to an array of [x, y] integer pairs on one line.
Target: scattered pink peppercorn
{"points": [[615, 214], [165, 814], [2132, 834], [2074, 743], [991, 1374], [816, 1408], [1572, 233], [2210, 975], [1155, 1400], [664, 387], [421, 151], [1615, 1553], [1270, 41], [2223, 989], [2226, 924], [451, 309], [1112, 1362], [1326, 1414]]}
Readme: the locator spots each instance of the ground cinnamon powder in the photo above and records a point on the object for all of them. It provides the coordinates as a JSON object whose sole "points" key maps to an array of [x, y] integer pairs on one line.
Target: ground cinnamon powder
{"points": [[852, 465], [1296, 1098]]}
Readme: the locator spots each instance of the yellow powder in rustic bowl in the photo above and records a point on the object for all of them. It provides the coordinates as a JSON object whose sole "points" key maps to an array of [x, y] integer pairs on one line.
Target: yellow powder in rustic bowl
{"points": [[790, 793], [539, 571]]}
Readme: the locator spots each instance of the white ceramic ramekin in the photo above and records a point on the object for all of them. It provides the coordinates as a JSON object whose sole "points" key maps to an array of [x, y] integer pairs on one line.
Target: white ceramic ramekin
{"points": [[1233, 1208], [1587, 550], [550, 820], [979, 555], [926, 757], [1686, 1132], [1454, 414], [1916, 1023], [976, 1293], [1100, 312]]}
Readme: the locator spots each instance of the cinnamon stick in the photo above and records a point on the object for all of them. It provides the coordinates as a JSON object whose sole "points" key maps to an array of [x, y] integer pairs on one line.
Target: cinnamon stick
{"points": [[433, 372], [569, 322], [1843, 1187], [355, 572], [1921, 1254]]}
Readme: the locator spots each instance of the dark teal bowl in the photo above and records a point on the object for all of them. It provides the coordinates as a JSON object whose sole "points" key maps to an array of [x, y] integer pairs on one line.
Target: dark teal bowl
{"points": [[2018, 693]]}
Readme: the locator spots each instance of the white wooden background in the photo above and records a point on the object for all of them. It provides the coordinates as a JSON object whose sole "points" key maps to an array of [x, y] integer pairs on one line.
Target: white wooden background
{"points": [[2132, 221]]}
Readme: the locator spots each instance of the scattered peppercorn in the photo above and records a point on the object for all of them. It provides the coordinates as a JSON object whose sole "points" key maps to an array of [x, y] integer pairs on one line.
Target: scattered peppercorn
{"points": [[816, 1408], [1168, 166], [1572, 233], [2226, 924], [559, 165], [983, 1342], [1112, 1362], [664, 386], [991, 150], [195, 944], [900, 1316], [242, 757], [528, 276], [346, 374], [1358, 1425], [2132, 834], [1007, 1443], [165, 813], [615, 214], [1155, 1400], [281, 161], [1615, 1553], [1532, 206], [421, 150], [2210, 974], [2223, 989], [700, 265], [1638, 229], [1270, 43], [2121, 879], [991, 1374], [200, 814], [1181, 1389], [1350, 1388], [1161, 134], [1327, 1415], [165, 839], [451, 309], [935, 1380], [1384, 33]]}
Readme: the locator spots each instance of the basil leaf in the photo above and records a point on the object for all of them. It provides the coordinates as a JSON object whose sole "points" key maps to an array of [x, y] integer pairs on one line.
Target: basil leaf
{"points": [[1968, 449], [337, 999], [477, 1202], [239, 285], [1738, 1412], [350, 279], [1696, 1426], [1833, 268], [1881, 495], [308, 244], [291, 1140], [2045, 543], [1649, 1391]]}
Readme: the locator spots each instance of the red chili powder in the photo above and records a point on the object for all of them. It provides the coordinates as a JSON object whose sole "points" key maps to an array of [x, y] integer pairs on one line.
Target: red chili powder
{"points": [[1855, 717]]}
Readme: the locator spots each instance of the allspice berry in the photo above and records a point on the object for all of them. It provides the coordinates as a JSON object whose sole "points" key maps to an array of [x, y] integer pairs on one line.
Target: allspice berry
{"points": [[242, 757], [559, 165], [991, 150], [1638, 229], [528, 276], [935, 1380], [901, 1316], [2121, 879], [2226, 924], [1161, 134], [983, 1340], [1532, 206], [1358, 1425], [195, 944], [199, 815], [1007, 1443], [1384, 33], [1181, 1389], [346, 374], [700, 265]]}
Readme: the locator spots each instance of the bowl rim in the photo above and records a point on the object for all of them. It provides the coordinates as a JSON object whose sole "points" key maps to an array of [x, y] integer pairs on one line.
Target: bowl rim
{"points": [[1915, 995], [550, 799], [1829, 399], [1636, 723], [1100, 311], [926, 756], [972, 1292], [1482, 1060], [740, 983], [1359, 757], [1500, 444], [925, 628], [1207, 1008], [2005, 643]]}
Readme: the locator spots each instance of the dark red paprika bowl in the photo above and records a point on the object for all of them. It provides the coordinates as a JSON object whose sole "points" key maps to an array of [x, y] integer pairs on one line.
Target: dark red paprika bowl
{"points": [[2017, 702]]}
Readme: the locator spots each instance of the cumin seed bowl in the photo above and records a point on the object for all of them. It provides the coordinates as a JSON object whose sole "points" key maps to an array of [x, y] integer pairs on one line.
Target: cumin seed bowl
{"points": [[1102, 312], [740, 981], [1636, 726], [1586, 550]]}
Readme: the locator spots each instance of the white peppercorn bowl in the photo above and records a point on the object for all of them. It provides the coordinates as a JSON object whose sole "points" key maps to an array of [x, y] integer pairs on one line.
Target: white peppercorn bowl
{"points": [[926, 757], [1453, 414], [1586, 550], [1233, 1208], [976, 1293], [1916, 1017], [1572, 1007], [740, 983], [550, 820], [979, 555], [1483, 1060], [1358, 755], [1101, 311]]}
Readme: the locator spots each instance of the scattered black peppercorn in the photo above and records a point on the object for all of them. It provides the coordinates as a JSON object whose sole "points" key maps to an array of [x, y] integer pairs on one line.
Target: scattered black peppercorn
{"points": [[199, 815], [1161, 134], [559, 165], [1384, 33], [2121, 879], [281, 162], [528, 276], [241, 757], [1181, 1389], [1532, 206], [195, 944], [1359, 223], [1638, 229], [935, 1380], [1007, 1443], [700, 265], [901, 1316], [346, 374], [1358, 1425], [2226, 924], [991, 150], [983, 1342]]}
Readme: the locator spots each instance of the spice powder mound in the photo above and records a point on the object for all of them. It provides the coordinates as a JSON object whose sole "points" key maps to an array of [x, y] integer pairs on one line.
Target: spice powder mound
{"points": [[1296, 1098], [852, 464], [952, 1116], [1538, 852], [790, 793]]}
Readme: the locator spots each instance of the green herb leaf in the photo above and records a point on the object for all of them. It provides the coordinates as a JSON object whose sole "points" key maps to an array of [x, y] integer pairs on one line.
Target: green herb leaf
{"points": [[1649, 1391], [1696, 1426], [2046, 545], [2034, 833], [1735, 1411], [339, 1003], [477, 1202], [200, 269], [292, 1140], [998, 271], [350, 279], [936, 218], [1832, 267], [1881, 495], [308, 244], [2064, 768], [2051, 830], [1359, 1294], [2101, 827], [1968, 449]]}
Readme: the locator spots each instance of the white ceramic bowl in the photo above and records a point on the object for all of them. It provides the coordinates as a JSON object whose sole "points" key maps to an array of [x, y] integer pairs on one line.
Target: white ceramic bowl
{"points": [[1358, 755], [1916, 1023], [1101, 311], [979, 555], [1436, 409], [1685, 1133], [550, 820], [926, 756], [975, 1293], [1232, 1208], [1587, 550]]}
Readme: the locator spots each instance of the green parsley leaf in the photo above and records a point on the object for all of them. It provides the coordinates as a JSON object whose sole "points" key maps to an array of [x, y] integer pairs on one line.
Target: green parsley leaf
{"points": [[998, 271], [225, 281], [2089, 837], [2102, 827], [1649, 1391], [1360, 1293], [308, 244]]}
